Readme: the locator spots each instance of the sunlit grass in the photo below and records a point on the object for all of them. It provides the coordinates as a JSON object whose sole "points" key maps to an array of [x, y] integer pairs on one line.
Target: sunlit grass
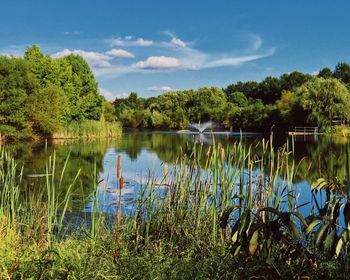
{"points": [[225, 212]]}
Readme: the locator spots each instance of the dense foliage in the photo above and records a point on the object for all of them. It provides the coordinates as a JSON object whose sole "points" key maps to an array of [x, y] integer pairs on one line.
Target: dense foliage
{"points": [[294, 99], [40, 95]]}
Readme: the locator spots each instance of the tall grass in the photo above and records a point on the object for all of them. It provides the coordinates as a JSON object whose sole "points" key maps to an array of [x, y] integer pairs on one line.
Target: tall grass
{"points": [[212, 213], [244, 202], [89, 129]]}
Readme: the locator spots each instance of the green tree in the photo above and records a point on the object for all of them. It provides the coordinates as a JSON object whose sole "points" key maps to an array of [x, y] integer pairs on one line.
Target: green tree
{"points": [[46, 110], [239, 99], [325, 99], [342, 72], [13, 106], [325, 73], [109, 113]]}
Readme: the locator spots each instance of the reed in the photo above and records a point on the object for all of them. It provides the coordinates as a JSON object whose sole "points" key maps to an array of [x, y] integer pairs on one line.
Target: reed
{"points": [[218, 212], [89, 129]]}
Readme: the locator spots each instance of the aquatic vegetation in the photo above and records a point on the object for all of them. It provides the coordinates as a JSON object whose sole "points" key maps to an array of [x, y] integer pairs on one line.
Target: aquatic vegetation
{"points": [[89, 129], [223, 212]]}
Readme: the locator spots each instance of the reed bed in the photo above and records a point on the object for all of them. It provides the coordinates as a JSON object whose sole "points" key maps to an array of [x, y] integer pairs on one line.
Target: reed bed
{"points": [[89, 129], [218, 213]]}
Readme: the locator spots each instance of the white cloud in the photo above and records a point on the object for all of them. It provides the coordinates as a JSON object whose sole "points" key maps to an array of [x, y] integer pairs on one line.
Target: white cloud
{"points": [[9, 54], [158, 62], [120, 53], [160, 89], [95, 59], [128, 41], [175, 55], [144, 43], [72, 33], [116, 42], [122, 95], [107, 94], [178, 42], [256, 42], [237, 60]]}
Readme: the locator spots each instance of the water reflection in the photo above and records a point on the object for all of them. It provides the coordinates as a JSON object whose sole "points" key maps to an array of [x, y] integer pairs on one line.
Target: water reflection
{"points": [[143, 153]]}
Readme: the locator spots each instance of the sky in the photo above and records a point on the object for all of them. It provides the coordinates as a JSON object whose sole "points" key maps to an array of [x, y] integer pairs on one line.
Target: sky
{"points": [[154, 46]]}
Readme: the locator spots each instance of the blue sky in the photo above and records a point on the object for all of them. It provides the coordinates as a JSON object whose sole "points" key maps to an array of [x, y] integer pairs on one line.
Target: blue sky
{"points": [[154, 46]]}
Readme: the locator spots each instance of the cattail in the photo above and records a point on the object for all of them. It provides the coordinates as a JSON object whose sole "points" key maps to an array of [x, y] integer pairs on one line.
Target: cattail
{"points": [[121, 182], [165, 169], [118, 166]]}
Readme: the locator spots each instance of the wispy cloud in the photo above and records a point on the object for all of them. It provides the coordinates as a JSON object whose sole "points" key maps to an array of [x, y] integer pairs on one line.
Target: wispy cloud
{"points": [[72, 33], [120, 53], [172, 55], [178, 42], [129, 41], [160, 89], [186, 57], [237, 60]]}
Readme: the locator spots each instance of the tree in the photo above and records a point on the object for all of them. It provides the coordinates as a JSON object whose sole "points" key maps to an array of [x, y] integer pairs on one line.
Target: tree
{"points": [[342, 72], [293, 80], [239, 99], [325, 99], [269, 90], [109, 113], [46, 108], [13, 107], [291, 112], [325, 73]]}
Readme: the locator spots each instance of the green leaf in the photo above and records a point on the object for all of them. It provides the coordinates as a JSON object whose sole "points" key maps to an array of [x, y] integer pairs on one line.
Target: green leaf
{"points": [[237, 251], [339, 247], [346, 213], [311, 226], [319, 184], [300, 217], [321, 234], [253, 243], [328, 243], [235, 237]]}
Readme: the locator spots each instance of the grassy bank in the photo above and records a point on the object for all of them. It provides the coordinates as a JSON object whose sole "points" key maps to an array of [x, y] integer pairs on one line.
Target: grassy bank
{"points": [[341, 130], [89, 129], [224, 214]]}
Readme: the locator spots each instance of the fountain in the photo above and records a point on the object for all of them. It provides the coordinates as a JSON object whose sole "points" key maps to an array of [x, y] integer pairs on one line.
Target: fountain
{"points": [[201, 127]]}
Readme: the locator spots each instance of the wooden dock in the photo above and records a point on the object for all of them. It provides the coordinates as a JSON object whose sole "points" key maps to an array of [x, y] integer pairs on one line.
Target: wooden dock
{"points": [[303, 130]]}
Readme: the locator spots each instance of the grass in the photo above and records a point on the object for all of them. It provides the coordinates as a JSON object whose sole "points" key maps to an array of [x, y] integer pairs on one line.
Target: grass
{"points": [[342, 130], [222, 213], [89, 129]]}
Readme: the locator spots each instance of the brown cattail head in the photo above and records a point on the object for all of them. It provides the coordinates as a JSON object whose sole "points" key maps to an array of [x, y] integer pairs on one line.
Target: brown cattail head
{"points": [[165, 169], [121, 182], [118, 166]]}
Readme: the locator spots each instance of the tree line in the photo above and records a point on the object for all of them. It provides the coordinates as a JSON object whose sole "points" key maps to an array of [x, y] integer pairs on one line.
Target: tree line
{"points": [[40, 95], [293, 99]]}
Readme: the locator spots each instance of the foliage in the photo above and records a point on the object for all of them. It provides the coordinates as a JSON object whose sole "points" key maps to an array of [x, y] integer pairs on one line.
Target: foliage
{"points": [[39, 95], [230, 220], [279, 102], [326, 100]]}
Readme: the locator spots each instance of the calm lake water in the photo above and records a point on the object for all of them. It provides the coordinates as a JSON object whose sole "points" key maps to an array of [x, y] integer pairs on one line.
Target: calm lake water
{"points": [[143, 153]]}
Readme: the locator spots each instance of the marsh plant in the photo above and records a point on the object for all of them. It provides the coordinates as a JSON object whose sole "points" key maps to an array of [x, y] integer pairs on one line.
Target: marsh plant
{"points": [[221, 212]]}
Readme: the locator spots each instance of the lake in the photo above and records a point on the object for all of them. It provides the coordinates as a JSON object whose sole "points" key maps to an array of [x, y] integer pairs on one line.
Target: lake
{"points": [[144, 153]]}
